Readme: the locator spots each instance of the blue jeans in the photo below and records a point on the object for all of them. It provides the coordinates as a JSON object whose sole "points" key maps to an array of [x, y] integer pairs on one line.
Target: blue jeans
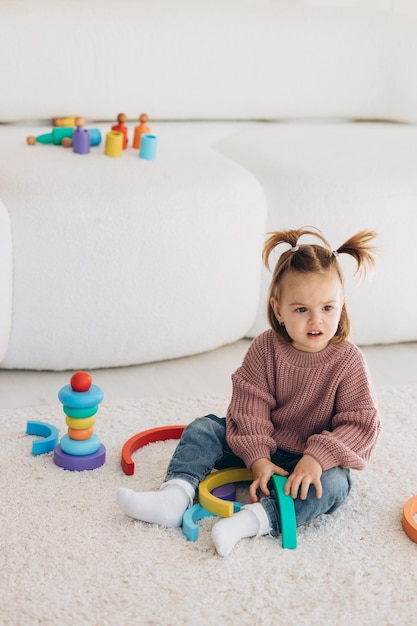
{"points": [[203, 447]]}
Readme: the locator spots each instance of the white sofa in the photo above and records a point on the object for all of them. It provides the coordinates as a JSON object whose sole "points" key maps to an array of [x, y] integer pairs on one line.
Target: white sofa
{"points": [[308, 118]]}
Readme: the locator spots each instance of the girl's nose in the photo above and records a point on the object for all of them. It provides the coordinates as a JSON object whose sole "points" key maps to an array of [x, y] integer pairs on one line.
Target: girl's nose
{"points": [[315, 317]]}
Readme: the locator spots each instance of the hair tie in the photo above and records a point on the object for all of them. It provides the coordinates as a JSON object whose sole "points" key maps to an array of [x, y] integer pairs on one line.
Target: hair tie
{"points": [[335, 253], [294, 248]]}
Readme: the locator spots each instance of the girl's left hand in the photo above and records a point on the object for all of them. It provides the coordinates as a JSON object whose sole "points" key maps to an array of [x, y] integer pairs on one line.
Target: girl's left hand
{"points": [[307, 472]]}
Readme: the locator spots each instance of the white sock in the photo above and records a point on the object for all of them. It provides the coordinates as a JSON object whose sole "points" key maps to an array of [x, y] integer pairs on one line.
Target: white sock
{"points": [[165, 507], [250, 521]]}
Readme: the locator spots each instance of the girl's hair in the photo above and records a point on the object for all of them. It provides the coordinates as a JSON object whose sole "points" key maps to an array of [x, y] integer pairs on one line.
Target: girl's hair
{"points": [[306, 258]]}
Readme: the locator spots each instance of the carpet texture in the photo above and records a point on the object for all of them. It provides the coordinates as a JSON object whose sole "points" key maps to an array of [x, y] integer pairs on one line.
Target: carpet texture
{"points": [[69, 556]]}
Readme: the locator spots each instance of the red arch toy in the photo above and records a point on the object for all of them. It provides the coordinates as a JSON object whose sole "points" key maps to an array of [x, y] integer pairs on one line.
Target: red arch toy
{"points": [[142, 439]]}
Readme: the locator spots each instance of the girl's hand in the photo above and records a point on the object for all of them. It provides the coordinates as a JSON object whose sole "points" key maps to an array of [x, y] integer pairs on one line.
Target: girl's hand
{"points": [[262, 470], [307, 472]]}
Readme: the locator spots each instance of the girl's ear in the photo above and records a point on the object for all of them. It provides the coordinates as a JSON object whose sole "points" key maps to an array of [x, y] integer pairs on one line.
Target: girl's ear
{"points": [[276, 309]]}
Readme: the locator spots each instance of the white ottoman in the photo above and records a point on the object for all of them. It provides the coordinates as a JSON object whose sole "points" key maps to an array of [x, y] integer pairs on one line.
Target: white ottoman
{"points": [[342, 178], [120, 261]]}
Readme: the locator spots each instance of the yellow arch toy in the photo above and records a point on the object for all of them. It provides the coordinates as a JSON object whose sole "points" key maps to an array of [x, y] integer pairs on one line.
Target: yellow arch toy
{"points": [[223, 508]]}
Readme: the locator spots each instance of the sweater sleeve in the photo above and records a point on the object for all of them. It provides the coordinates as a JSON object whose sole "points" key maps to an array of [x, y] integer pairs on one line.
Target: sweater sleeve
{"points": [[356, 423], [249, 428]]}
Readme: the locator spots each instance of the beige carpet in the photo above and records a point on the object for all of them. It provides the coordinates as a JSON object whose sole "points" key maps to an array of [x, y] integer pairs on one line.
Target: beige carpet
{"points": [[68, 556]]}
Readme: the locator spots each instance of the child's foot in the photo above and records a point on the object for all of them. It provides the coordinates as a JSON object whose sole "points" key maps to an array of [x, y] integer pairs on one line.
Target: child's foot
{"points": [[250, 521], [165, 507]]}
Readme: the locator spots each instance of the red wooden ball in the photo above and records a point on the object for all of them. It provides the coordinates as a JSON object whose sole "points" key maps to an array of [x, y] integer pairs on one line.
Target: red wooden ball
{"points": [[81, 381]]}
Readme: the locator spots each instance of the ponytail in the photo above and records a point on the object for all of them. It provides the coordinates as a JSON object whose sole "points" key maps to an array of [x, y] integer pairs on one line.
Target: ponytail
{"points": [[358, 246]]}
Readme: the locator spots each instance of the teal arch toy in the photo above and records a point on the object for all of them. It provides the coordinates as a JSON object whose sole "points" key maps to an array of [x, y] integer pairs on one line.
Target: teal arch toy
{"points": [[286, 511]]}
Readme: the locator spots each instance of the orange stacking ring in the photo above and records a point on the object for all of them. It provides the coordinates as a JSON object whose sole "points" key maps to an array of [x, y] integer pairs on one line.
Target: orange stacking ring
{"points": [[80, 435], [408, 521]]}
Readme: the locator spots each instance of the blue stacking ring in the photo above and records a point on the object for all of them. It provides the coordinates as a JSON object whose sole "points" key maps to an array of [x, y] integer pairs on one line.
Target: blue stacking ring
{"points": [[80, 448], [80, 399]]}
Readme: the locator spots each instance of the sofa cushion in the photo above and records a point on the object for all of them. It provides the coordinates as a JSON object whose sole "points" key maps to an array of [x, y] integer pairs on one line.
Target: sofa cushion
{"points": [[205, 60], [6, 279], [343, 178], [119, 261]]}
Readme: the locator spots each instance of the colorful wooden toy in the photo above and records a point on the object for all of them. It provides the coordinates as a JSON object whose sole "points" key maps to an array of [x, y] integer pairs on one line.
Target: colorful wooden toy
{"points": [[64, 121], [408, 521], [140, 130], [80, 424], [114, 144], [142, 439], [80, 435], [286, 511], [122, 128], [216, 479], [80, 448], [225, 509], [80, 137], [80, 399], [81, 381], [63, 136], [80, 413], [95, 136], [194, 514], [49, 432], [55, 137], [66, 142], [79, 463], [225, 492], [148, 145]]}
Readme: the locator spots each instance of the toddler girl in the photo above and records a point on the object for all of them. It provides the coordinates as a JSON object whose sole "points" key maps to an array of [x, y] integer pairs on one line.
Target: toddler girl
{"points": [[302, 404]]}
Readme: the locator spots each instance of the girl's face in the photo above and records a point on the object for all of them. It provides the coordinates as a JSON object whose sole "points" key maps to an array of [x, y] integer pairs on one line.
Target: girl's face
{"points": [[309, 306]]}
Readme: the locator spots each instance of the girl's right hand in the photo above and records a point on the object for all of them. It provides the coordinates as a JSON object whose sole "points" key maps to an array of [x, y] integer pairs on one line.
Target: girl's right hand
{"points": [[262, 470]]}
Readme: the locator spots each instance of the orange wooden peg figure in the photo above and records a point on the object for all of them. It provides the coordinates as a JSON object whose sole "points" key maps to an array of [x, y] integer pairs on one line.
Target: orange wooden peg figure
{"points": [[140, 130]]}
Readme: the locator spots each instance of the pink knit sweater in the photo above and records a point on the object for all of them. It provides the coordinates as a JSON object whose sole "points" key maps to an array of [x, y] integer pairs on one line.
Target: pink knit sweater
{"points": [[319, 403]]}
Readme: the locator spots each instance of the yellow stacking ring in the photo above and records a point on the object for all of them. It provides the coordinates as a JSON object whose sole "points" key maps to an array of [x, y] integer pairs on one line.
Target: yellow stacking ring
{"points": [[80, 424]]}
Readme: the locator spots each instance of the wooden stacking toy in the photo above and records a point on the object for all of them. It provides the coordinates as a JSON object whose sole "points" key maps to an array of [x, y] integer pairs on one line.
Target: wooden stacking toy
{"points": [[64, 121], [81, 140], [80, 449], [121, 127], [63, 135], [140, 130]]}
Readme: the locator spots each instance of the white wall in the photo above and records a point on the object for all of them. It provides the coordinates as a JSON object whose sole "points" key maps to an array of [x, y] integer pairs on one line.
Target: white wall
{"points": [[408, 7]]}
